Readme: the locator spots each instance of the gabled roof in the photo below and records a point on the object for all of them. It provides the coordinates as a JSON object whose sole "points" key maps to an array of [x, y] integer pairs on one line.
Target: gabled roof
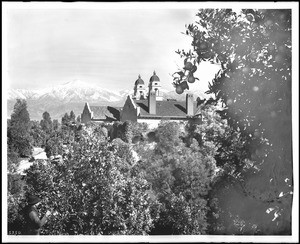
{"points": [[105, 113], [164, 108]]}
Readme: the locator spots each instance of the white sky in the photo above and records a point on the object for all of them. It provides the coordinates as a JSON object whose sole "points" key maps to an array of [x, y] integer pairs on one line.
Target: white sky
{"points": [[107, 47]]}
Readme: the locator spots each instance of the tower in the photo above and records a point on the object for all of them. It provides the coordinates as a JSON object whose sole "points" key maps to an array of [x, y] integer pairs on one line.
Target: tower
{"points": [[154, 85], [139, 89]]}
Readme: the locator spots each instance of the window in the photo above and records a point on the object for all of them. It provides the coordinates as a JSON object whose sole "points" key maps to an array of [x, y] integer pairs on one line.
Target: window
{"points": [[140, 86]]}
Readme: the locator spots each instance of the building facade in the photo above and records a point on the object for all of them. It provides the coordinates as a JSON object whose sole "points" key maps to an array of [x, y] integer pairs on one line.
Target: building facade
{"points": [[145, 106], [151, 111]]}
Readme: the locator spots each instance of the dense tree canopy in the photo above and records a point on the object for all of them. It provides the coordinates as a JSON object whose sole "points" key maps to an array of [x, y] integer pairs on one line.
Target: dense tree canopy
{"points": [[253, 48], [111, 200], [180, 176]]}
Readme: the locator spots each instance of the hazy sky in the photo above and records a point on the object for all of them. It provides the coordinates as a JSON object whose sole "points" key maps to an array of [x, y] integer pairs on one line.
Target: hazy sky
{"points": [[107, 47]]}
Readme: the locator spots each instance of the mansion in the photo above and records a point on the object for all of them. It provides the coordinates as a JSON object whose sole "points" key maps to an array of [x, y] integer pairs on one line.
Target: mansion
{"points": [[145, 105]]}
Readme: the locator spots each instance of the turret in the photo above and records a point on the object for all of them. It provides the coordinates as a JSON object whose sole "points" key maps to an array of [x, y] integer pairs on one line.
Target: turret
{"points": [[139, 89], [154, 85]]}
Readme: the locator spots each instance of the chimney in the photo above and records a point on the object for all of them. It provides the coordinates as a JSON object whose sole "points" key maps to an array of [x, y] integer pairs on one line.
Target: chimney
{"points": [[189, 105], [152, 102]]}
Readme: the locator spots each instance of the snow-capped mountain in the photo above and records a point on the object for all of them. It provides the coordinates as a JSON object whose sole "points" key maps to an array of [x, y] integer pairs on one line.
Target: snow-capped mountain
{"points": [[73, 91], [23, 94], [57, 100]]}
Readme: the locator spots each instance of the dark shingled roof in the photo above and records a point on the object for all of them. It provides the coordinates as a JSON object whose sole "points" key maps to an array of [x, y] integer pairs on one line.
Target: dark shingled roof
{"points": [[106, 113], [164, 108]]}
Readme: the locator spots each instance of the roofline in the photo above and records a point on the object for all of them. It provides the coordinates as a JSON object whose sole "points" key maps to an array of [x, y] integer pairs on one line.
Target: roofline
{"points": [[165, 117], [103, 120], [132, 101], [103, 106], [88, 106]]}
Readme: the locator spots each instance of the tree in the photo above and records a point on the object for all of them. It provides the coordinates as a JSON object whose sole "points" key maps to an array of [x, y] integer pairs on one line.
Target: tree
{"points": [[20, 114], [254, 84], [55, 124], [65, 119], [18, 130], [167, 135], [37, 134], [180, 178], [54, 144], [19, 144], [128, 131], [111, 200], [46, 122], [72, 116]]}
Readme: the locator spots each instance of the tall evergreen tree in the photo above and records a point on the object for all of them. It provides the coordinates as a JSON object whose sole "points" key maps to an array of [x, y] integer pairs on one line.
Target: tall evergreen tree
{"points": [[19, 130], [72, 116], [65, 119]]}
